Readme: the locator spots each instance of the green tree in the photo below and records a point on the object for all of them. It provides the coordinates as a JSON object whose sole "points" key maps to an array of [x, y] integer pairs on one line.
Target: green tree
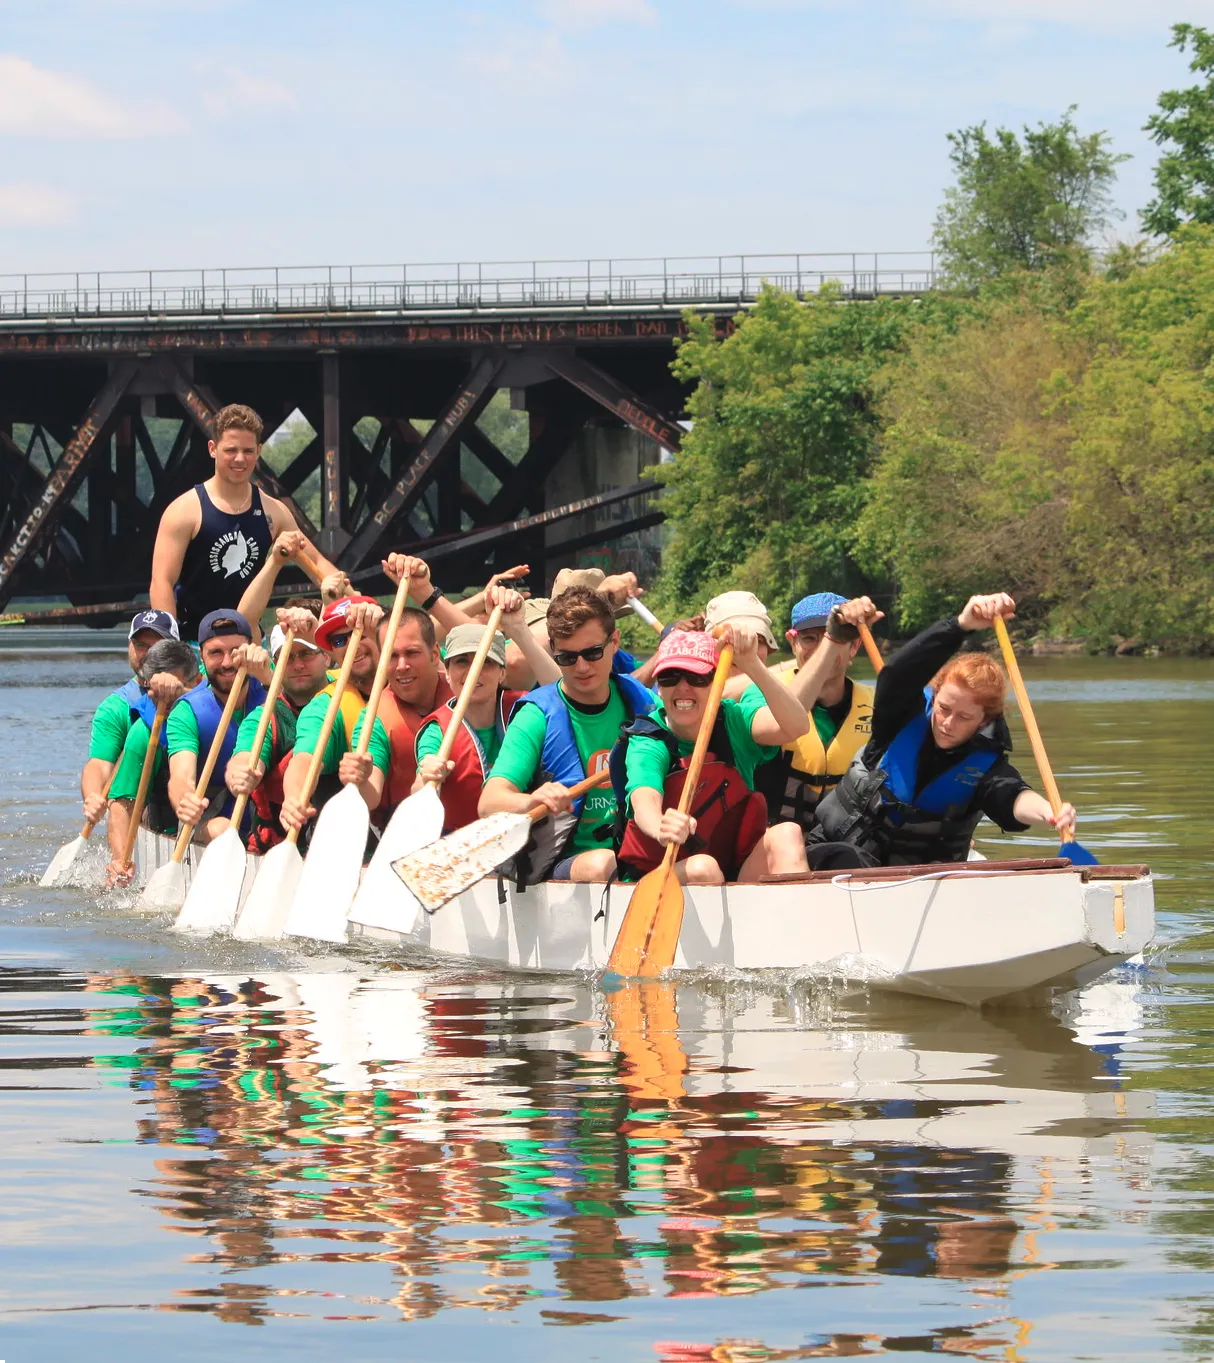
{"points": [[765, 492], [1023, 205], [1184, 175]]}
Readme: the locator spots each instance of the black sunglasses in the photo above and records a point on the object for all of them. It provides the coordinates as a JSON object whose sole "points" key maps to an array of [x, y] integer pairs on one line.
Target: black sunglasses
{"points": [[567, 657], [696, 679]]}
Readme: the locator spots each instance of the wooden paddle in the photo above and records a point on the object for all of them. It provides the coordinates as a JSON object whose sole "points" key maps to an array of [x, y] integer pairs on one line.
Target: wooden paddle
{"points": [[145, 781], [646, 942], [1079, 856], [214, 898], [59, 872], [870, 647], [166, 887], [435, 874], [334, 863], [269, 901], [415, 823], [640, 609]]}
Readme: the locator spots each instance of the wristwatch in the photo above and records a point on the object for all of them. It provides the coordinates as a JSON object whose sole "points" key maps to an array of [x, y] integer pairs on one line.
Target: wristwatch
{"points": [[432, 598]]}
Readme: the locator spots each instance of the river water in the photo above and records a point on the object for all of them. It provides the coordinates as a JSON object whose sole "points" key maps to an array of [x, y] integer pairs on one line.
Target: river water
{"points": [[216, 1150]]}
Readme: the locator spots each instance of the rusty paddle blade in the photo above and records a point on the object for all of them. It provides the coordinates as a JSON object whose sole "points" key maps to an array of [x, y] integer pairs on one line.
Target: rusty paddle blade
{"points": [[436, 874]]}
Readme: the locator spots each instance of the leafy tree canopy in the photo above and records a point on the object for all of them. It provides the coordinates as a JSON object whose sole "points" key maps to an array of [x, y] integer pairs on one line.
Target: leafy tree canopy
{"points": [[1023, 204], [1184, 175]]}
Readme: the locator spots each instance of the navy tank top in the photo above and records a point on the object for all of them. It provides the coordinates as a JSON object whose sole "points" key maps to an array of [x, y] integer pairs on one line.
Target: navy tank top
{"points": [[220, 560]]}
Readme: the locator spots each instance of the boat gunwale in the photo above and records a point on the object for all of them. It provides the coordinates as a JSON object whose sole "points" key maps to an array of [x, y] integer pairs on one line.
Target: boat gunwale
{"points": [[1011, 866]]}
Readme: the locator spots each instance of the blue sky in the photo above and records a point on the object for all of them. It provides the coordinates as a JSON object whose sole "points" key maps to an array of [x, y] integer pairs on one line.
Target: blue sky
{"points": [[166, 133]]}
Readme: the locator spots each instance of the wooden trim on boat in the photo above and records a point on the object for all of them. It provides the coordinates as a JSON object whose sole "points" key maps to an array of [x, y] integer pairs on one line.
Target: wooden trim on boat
{"points": [[1132, 872], [1037, 864]]}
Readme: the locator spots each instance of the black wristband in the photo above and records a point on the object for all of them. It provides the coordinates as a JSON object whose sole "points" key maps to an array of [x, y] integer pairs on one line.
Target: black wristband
{"points": [[838, 631], [432, 598]]}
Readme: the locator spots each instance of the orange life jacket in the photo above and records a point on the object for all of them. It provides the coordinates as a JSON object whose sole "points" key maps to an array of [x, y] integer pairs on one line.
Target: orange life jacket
{"points": [[461, 791], [402, 723]]}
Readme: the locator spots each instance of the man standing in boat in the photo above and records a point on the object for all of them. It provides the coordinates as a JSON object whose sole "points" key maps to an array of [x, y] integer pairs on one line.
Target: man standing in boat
{"points": [[937, 759], [213, 539]]}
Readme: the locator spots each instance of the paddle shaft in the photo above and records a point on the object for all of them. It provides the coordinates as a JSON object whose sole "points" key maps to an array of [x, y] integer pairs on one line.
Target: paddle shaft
{"points": [[229, 709], [263, 724], [145, 780], [575, 793], [1030, 720], [326, 728], [465, 695], [381, 670], [640, 609], [870, 647]]}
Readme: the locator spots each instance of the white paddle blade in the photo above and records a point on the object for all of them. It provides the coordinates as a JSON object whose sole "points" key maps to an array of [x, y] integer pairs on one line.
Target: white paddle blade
{"points": [[437, 873], [382, 901], [165, 888], [59, 872], [214, 895], [269, 901], [330, 874]]}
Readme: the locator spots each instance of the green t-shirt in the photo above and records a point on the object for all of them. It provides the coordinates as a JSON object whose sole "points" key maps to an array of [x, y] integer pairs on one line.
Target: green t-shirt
{"points": [[111, 724], [430, 738], [648, 760], [125, 785], [307, 734], [181, 730], [594, 731], [286, 734]]}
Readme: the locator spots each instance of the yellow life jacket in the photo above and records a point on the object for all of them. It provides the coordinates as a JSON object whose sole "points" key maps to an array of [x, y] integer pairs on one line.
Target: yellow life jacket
{"points": [[808, 769], [349, 709]]}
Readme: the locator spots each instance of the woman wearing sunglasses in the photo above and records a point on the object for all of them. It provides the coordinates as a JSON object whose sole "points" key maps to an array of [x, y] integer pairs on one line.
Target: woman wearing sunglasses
{"points": [[725, 836]]}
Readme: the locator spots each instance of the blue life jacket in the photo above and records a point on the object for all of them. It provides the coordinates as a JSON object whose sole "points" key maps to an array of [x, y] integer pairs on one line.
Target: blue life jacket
{"points": [[208, 711], [131, 692], [560, 759], [146, 710], [948, 794], [624, 664]]}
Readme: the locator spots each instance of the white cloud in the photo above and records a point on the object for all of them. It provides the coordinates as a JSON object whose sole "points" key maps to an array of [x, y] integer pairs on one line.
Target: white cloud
{"points": [[592, 13], [36, 102], [1104, 15], [228, 90], [34, 206]]}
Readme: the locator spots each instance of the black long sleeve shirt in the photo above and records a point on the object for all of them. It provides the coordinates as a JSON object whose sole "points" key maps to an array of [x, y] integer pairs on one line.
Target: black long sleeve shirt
{"points": [[899, 699]]}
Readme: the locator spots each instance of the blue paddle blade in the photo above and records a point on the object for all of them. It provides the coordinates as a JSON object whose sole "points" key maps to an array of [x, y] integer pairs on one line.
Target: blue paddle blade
{"points": [[1077, 854]]}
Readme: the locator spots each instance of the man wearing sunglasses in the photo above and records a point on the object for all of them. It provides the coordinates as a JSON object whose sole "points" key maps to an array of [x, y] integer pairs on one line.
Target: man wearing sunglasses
{"points": [[725, 836], [560, 734], [841, 710]]}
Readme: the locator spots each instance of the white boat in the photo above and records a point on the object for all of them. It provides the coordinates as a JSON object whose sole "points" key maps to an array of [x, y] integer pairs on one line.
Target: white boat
{"points": [[968, 933]]}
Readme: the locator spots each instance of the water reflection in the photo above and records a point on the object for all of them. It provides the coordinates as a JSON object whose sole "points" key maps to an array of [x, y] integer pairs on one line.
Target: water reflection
{"points": [[392, 1146]]}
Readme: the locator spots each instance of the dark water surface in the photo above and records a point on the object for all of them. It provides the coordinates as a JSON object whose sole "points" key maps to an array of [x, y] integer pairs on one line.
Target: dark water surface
{"points": [[216, 1151]]}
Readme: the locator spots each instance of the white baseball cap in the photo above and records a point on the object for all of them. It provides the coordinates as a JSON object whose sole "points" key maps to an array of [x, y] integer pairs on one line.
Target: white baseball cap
{"points": [[278, 637]]}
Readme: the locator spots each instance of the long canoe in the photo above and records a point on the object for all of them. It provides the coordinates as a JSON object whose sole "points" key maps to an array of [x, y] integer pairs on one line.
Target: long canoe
{"points": [[969, 933]]}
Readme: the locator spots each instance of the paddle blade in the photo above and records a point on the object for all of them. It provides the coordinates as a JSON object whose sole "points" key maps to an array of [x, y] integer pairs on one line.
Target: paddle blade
{"points": [[1077, 854], [667, 924], [628, 955], [436, 874], [269, 901], [165, 888], [330, 873], [59, 872], [382, 900], [215, 886]]}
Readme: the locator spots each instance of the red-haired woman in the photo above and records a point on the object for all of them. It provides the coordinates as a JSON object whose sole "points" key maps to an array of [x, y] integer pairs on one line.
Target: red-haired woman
{"points": [[937, 759]]}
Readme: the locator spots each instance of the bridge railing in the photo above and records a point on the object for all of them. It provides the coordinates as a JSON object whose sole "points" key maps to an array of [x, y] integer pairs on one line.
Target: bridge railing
{"points": [[457, 287]]}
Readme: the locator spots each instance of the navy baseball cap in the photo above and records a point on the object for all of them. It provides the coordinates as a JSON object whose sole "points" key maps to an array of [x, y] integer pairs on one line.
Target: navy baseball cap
{"points": [[160, 622], [223, 622], [811, 612]]}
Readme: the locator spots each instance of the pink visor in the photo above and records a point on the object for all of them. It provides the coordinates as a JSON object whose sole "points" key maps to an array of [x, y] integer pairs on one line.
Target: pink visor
{"points": [[686, 651]]}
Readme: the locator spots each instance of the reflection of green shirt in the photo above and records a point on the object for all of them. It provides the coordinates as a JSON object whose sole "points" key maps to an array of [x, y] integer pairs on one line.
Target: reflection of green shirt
{"points": [[111, 724], [595, 732], [307, 735], [430, 739], [648, 760], [125, 785]]}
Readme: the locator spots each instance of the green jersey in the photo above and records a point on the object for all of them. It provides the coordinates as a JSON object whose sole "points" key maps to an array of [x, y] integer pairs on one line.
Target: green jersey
{"points": [[111, 724], [307, 735], [125, 785], [595, 730]]}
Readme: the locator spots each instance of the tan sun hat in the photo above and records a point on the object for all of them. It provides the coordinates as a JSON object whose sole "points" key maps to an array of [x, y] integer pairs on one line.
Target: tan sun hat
{"points": [[535, 610], [743, 607], [577, 577], [464, 640]]}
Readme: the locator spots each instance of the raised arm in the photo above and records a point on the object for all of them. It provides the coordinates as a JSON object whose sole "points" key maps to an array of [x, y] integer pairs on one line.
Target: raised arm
{"points": [[841, 634], [514, 627], [783, 718], [445, 614], [178, 526], [281, 520], [256, 596]]}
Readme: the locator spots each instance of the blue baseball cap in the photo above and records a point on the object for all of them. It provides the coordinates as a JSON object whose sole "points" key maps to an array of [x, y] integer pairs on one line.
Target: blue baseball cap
{"points": [[159, 622], [811, 612], [223, 622]]}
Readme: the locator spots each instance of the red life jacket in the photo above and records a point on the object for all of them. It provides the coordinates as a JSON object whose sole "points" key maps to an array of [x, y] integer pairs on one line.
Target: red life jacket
{"points": [[402, 723], [730, 817], [267, 798], [461, 791]]}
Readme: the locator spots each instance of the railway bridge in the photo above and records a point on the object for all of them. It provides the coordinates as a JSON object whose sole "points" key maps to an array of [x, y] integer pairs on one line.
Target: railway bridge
{"points": [[479, 414]]}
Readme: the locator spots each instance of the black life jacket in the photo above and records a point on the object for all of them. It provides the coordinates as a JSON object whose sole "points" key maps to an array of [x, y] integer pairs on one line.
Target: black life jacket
{"points": [[730, 817], [882, 812]]}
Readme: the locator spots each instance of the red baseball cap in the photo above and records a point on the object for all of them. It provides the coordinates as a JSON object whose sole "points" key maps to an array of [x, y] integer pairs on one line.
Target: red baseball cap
{"points": [[686, 650], [333, 621]]}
